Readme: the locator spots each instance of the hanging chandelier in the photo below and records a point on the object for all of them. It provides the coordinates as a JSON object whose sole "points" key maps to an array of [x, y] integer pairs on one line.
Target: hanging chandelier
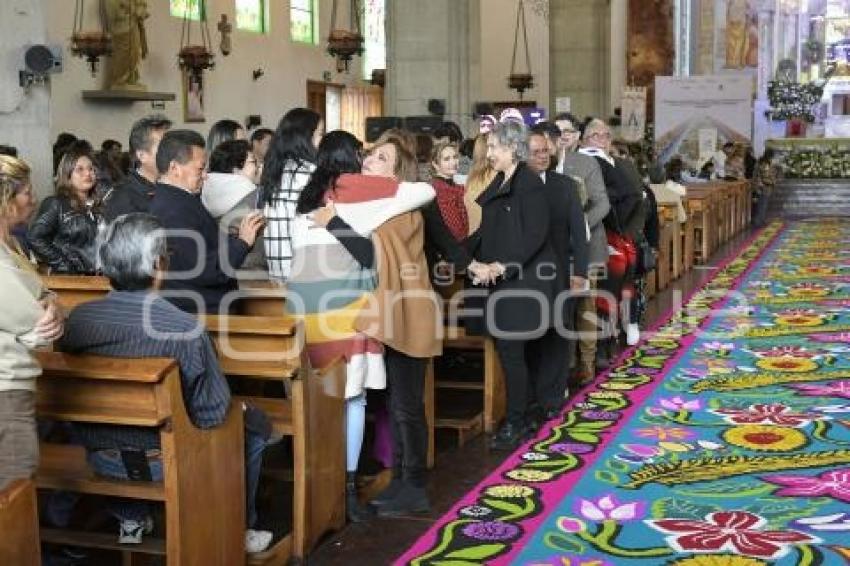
{"points": [[520, 82], [195, 58], [90, 44], [344, 44]]}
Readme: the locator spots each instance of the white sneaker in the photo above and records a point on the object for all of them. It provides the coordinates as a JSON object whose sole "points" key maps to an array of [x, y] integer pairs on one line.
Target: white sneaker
{"points": [[632, 334], [257, 541], [131, 531]]}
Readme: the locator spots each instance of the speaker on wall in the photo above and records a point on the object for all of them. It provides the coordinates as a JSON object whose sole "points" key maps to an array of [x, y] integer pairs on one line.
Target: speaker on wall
{"points": [[422, 124], [378, 125], [482, 109], [437, 106]]}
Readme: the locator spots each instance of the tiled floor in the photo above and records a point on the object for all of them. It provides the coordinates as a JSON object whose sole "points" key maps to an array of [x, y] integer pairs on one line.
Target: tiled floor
{"points": [[458, 470]]}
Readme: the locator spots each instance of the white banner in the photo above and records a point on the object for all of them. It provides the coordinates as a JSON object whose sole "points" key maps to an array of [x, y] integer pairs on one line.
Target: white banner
{"points": [[633, 113], [686, 105]]}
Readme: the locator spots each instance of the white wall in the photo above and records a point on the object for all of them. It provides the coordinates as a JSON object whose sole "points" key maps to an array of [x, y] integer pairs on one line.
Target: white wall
{"points": [[230, 91], [24, 115], [498, 22]]}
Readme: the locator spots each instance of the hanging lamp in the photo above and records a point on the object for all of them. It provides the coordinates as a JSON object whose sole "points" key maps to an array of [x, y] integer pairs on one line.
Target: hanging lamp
{"points": [[344, 44], [520, 82], [195, 58], [90, 44]]}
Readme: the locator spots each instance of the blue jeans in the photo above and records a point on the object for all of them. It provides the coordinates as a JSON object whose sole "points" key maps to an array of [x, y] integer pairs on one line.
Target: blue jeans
{"points": [[108, 463]]}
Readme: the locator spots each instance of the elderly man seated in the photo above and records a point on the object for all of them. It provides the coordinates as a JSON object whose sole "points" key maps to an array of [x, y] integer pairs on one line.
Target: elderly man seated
{"points": [[134, 321]]}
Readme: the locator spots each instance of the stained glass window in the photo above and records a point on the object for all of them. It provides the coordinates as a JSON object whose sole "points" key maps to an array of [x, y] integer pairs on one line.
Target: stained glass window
{"points": [[179, 9], [374, 20], [251, 15], [303, 20]]}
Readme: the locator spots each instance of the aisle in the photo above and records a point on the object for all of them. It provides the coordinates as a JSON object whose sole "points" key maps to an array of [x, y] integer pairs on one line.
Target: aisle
{"points": [[722, 440]]}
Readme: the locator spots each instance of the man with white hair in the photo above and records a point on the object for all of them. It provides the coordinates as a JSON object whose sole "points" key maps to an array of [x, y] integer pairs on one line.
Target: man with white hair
{"points": [[625, 219], [133, 321]]}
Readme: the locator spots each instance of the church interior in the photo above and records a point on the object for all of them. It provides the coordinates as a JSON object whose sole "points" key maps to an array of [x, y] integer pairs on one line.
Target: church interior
{"points": [[427, 283]]}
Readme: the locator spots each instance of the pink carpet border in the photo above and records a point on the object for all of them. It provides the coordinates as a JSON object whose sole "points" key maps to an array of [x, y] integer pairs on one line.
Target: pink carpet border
{"points": [[425, 542]]}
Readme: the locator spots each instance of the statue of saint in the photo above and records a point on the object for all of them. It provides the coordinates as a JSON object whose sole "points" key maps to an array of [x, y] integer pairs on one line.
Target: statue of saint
{"points": [[736, 34], [225, 28], [125, 20]]}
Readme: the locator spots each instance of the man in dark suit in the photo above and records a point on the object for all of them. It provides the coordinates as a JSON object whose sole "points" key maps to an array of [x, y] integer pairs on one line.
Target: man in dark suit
{"points": [[200, 272], [568, 235]]}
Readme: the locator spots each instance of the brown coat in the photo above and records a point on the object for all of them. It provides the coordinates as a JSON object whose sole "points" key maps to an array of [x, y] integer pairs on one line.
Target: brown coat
{"points": [[409, 324]]}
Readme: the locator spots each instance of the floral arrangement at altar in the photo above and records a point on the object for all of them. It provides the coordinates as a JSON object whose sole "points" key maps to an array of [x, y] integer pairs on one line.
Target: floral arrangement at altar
{"points": [[811, 163], [792, 100]]}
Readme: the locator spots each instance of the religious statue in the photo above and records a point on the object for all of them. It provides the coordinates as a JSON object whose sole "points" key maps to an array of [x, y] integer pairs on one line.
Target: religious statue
{"points": [[225, 28], [736, 34], [125, 20]]}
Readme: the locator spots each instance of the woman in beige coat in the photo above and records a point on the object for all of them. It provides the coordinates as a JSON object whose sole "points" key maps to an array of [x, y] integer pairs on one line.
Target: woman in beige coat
{"points": [[29, 319]]}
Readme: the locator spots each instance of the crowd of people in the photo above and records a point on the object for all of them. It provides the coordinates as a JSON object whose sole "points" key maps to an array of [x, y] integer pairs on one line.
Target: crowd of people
{"points": [[549, 228]]}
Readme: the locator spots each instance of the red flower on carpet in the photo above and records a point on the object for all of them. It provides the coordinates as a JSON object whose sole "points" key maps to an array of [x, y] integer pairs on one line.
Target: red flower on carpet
{"points": [[738, 532], [773, 413], [835, 484]]}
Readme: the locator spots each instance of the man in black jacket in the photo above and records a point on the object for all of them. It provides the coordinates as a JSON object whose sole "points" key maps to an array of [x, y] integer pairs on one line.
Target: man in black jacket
{"points": [[199, 271], [568, 235], [135, 191]]}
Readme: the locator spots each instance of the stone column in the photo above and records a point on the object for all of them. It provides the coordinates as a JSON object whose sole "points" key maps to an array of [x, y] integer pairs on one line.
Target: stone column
{"points": [[25, 114], [580, 55], [430, 54]]}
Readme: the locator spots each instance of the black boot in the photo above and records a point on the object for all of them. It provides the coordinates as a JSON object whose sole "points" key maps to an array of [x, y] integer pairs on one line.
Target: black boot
{"points": [[603, 353], [389, 492], [409, 500], [354, 510], [509, 436]]}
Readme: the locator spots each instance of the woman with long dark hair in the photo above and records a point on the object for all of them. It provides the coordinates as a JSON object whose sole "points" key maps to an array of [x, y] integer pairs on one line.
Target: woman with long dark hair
{"points": [[222, 131], [333, 274], [64, 231], [288, 165]]}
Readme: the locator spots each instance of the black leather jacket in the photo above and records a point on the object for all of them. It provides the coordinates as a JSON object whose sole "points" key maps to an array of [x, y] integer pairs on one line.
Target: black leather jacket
{"points": [[64, 238]]}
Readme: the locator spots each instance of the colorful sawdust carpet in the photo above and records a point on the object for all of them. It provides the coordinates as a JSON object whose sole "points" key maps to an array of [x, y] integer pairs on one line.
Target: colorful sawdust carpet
{"points": [[722, 440]]}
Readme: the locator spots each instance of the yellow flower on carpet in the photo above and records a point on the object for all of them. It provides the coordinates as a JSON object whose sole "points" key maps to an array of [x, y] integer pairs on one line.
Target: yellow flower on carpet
{"points": [[765, 438], [529, 475], [808, 290], [799, 317], [718, 560], [509, 491], [816, 270], [787, 364]]}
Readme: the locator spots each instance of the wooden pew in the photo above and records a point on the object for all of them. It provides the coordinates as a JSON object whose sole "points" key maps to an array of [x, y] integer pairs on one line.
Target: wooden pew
{"points": [[272, 349], [200, 529], [76, 289], [19, 545], [492, 383], [259, 298]]}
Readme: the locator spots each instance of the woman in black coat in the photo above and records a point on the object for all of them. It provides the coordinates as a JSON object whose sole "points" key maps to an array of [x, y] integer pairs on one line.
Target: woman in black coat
{"points": [[63, 233], [513, 240]]}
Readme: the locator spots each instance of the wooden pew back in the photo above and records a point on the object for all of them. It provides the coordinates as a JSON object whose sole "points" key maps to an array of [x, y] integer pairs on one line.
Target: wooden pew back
{"points": [[147, 392], [19, 543]]}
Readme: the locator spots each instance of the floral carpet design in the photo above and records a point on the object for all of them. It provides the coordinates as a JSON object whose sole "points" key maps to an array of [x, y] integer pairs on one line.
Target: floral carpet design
{"points": [[723, 439]]}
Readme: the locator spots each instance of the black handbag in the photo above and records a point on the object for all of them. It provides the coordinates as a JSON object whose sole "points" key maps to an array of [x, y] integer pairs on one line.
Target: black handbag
{"points": [[646, 256]]}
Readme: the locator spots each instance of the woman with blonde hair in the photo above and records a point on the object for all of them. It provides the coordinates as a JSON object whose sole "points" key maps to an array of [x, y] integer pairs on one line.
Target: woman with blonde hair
{"points": [[63, 233], [444, 163], [29, 319], [480, 176], [404, 316]]}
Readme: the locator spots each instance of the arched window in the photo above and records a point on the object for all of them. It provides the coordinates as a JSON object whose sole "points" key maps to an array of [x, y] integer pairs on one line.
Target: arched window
{"points": [[251, 15], [303, 21], [374, 29], [179, 9]]}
